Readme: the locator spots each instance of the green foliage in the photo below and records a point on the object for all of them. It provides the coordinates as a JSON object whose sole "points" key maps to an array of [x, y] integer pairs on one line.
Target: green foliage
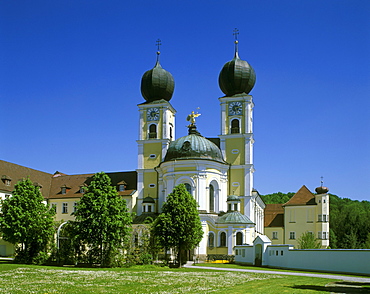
{"points": [[179, 226], [349, 220], [308, 241], [349, 223], [139, 250], [27, 222], [102, 223], [276, 198]]}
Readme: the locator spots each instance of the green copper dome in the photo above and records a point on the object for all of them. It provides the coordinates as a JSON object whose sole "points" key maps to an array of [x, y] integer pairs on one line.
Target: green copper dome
{"points": [[234, 217], [236, 77], [157, 84], [193, 146], [233, 198]]}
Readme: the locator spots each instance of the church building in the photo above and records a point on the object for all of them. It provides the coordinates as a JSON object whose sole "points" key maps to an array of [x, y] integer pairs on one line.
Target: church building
{"points": [[217, 172]]}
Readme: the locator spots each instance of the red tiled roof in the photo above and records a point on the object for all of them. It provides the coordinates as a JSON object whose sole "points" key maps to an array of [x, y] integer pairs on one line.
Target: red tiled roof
{"points": [[302, 197], [75, 182], [52, 184], [274, 215], [17, 172]]}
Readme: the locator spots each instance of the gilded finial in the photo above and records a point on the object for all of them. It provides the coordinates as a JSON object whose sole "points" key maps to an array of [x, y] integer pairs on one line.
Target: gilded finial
{"points": [[236, 33], [191, 117], [158, 43]]}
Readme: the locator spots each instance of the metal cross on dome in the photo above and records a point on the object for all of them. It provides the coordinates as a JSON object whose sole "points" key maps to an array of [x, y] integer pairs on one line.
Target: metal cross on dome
{"points": [[236, 33], [158, 43]]}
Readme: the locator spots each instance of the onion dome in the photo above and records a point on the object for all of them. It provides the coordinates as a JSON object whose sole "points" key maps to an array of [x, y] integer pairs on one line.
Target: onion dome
{"points": [[234, 217], [193, 146], [157, 83], [322, 190], [237, 76]]}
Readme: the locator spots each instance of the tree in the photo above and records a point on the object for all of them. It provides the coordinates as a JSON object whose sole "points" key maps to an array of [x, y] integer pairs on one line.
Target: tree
{"points": [[103, 222], [26, 221], [308, 241], [179, 226], [276, 198]]}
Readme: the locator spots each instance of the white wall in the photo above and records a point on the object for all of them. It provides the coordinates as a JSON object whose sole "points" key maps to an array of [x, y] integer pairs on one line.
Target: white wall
{"points": [[327, 260]]}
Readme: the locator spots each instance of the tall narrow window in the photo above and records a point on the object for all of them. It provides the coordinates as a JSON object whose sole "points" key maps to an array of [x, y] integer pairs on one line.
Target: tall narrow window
{"points": [[211, 239], [188, 187], [211, 198], [170, 132], [65, 207], [239, 238], [235, 128], [153, 131], [223, 239]]}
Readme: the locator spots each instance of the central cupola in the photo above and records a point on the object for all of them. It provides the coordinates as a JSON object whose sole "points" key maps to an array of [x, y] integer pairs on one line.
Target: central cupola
{"points": [[237, 76], [157, 83], [193, 146]]}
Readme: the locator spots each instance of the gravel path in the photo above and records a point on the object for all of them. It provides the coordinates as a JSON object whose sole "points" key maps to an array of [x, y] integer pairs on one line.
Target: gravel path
{"points": [[326, 276]]}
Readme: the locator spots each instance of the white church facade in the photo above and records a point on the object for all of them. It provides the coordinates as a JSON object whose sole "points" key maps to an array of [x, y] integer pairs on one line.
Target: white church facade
{"points": [[218, 172]]}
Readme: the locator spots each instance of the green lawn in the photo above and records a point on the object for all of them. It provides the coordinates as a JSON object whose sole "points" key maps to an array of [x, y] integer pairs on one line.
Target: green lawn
{"points": [[15, 278]]}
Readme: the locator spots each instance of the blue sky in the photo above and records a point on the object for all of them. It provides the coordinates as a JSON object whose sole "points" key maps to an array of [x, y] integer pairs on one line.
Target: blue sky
{"points": [[70, 75]]}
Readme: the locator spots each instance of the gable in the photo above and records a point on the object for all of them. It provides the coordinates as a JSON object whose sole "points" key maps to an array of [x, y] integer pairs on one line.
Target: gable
{"points": [[302, 197]]}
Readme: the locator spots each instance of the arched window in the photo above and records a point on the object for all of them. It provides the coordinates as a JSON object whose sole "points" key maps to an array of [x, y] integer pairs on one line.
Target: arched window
{"points": [[153, 131], [239, 238], [235, 128], [211, 239], [223, 239], [136, 239], [170, 132], [211, 198], [188, 187]]}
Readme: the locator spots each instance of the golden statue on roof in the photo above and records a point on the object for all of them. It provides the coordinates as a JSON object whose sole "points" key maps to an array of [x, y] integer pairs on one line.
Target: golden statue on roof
{"points": [[191, 117]]}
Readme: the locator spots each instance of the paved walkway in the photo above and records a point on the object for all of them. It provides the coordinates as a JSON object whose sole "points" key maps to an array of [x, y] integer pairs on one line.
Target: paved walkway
{"points": [[318, 275]]}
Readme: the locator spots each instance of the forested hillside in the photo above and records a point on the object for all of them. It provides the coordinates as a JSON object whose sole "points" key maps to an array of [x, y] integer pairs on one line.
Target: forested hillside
{"points": [[349, 220]]}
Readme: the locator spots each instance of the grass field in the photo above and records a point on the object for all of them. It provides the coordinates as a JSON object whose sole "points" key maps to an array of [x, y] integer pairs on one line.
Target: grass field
{"points": [[16, 278]]}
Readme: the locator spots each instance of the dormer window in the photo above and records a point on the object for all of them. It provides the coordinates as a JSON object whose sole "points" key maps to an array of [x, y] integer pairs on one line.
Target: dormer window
{"points": [[121, 188], [64, 189], [82, 189], [6, 180], [37, 185]]}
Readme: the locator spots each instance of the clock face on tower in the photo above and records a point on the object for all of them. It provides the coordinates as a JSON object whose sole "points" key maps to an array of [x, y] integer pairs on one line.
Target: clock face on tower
{"points": [[152, 114], [235, 108]]}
